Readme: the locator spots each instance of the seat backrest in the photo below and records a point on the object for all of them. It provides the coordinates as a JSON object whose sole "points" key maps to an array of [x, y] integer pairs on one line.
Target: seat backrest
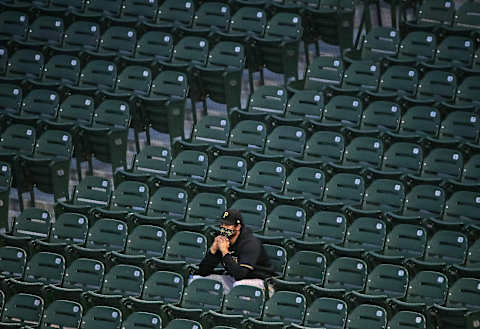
{"points": [[277, 257], [82, 35], [248, 134], [62, 314], [399, 79], [248, 20], [436, 12], [403, 157], [343, 109], [327, 227], [12, 262], [325, 146], [10, 98], [407, 240], [266, 175], [366, 233], [156, 45], [448, 247], [46, 30], [125, 280], [99, 74], [134, 79], [428, 287], [213, 16], [228, 170], [119, 40], [187, 246], [76, 109], [211, 130], [387, 279], [288, 141], [362, 76], [85, 274], [175, 13], [131, 196], [455, 50], [109, 234], [305, 104], [268, 99], [54, 144], [112, 113], [384, 194], [102, 317], [346, 273], [147, 240], [464, 293], [62, 68], [23, 309], [45, 267], [70, 228], [32, 222], [443, 162], [168, 202], [367, 316], [27, 63], [305, 181], [164, 286], [190, 164], [382, 115], [284, 25], [285, 306], [183, 324], [138, 320], [380, 42], [245, 300], [285, 221], [13, 24], [422, 120], [306, 266], [326, 312], [140, 10], [18, 139], [324, 71], [364, 151], [254, 212], [424, 200], [191, 50], [437, 85], [94, 191], [461, 125], [203, 293], [206, 208], [153, 160], [463, 206], [410, 319], [41, 104], [347, 188], [170, 84]]}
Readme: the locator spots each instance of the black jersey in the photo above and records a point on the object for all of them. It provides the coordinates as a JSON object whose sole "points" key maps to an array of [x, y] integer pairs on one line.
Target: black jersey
{"points": [[247, 259]]}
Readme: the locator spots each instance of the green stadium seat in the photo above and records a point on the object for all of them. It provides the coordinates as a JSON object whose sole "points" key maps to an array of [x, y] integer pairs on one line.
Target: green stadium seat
{"points": [[10, 98], [106, 139], [82, 35], [406, 241], [137, 11], [248, 134], [456, 51], [189, 51], [399, 80], [361, 75], [286, 140], [168, 202], [425, 201], [49, 168], [305, 104], [380, 42], [213, 130], [269, 99], [13, 25], [367, 316], [381, 115], [62, 313], [325, 312], [436, 12], [266, 175], [174, 13], [254, 212], [285, 221], [138, 320], [102, 8], [23, 309], [25, 64], [427, 287], [467, 91], [345, 188], [92, 191], [68, 228], [465, 14], [190, 164], [448, 247], [283, 308], [366, 233], [228, 170], [84, 274], [61, 70], [133, 80], [324, 146], [5, 184], [385, 195], [183, 323], [150, 161], [387, 280], [324, 71], [97, 74], [437, 85], [418, 46], [116, 41], [305, 181], [32, 223], [277, 256], [346, 273], [121, 280], [37, 104], [403, 157], [343, 109], [102, 317], [186, 246], [13, 261], [364, 151], [152, 46], [422, 120], [461, 125], [444, 163], [282, 33], [407, 319], [470, 173], [45, 30]]}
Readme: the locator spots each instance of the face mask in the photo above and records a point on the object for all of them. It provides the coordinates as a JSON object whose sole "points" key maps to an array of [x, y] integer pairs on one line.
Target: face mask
{"points": [[226, 232]]}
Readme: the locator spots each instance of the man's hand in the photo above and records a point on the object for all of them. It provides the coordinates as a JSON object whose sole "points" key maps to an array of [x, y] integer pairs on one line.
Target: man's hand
{"points": [[223, 244], [214, 246]]}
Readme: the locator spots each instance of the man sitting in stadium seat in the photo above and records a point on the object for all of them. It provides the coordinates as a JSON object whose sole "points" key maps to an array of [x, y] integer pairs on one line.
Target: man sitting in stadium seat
{"points": [[242, 255]]}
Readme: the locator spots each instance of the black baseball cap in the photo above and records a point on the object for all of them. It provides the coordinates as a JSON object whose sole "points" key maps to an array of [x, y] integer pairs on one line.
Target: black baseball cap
{"points": [[231, 217]]}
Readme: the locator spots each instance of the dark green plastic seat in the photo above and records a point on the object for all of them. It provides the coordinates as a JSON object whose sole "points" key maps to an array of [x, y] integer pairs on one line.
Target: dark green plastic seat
{"points": [[424, 200], [443, 162], [266, 175], [13, 25], [212, 130], [399, 79], [346, 273], [174, 13], [186, 246], [160, 287], [343, 109], [366, 233], [254, 212], [269, 99], [305, 181], [462, 206], [437, 85], [62, 313], [325, 146], [406, 240], [23, 309], [387, 280], [285, 221], [403, 157], [460, 125], [25, 64], [364, 151], [11, 98], [382, 115], [190, 164], [326, 312], [324, 71], [422, 120], [138, 320], [408, 319], [85, 274], [82, 35], [45, 30], [385, 195], [62, 69], [285, 140], [448, 247], [467, 91], [427, 287], [13, 260], [277, 257], [305, 104], [418, 46], [228, 170], [168, 203], [361, 76], [367, 316], [98, 74], [456, 51], [248, 134], [346, 188], [117, 41], [102, 317]]}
